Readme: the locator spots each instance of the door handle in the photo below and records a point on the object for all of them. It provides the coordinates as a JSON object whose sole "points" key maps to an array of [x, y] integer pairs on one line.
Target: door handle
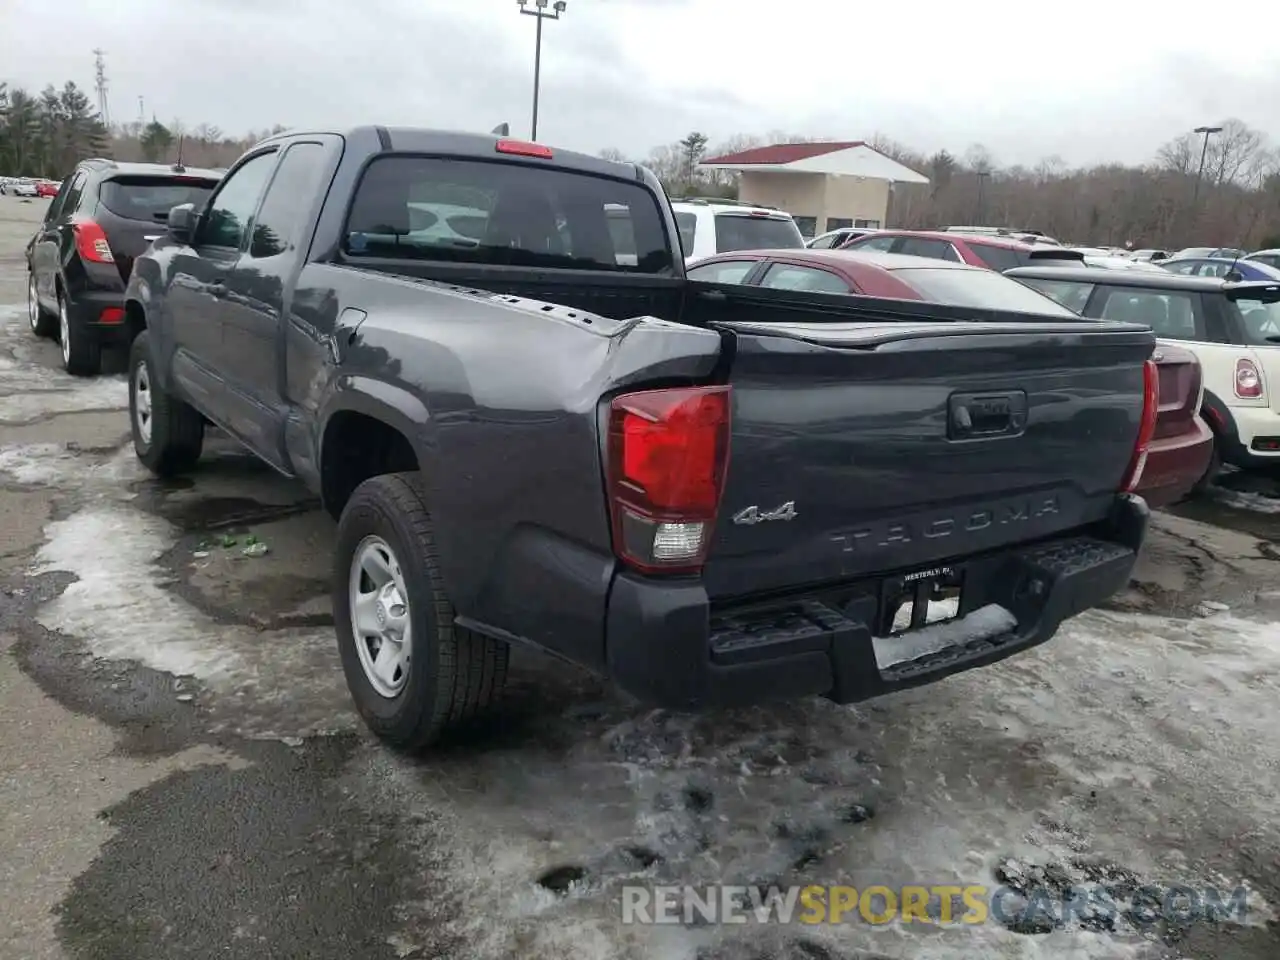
{"points": [[218, 289]]}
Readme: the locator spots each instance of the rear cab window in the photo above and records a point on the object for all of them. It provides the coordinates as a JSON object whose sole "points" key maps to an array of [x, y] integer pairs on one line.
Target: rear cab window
{"points": [[150, 198], [498, 213], [753, 231]]}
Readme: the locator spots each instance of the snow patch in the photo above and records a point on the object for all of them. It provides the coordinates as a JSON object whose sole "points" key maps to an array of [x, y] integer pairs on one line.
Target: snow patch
{"points": [[989, 621], [37, 398], [1244, 500], [53, 465], [274, 684]]}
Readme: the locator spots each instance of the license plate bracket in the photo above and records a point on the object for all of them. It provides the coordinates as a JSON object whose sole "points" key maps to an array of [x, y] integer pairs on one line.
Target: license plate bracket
{"points": [[919, 598]]}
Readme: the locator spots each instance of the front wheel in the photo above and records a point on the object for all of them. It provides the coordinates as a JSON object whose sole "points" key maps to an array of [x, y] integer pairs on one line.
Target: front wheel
{"points": [[168, 435], [412, 671]]}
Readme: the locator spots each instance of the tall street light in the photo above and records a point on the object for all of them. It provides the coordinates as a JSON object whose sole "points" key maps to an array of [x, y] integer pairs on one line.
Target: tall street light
{"points": [[1207, 132], [543, 10]]}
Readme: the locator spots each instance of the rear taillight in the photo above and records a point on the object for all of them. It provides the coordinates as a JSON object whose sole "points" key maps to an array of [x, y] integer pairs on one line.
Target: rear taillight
{"points": [[1146, 427], [91, 242], [667, 454], [1248, 380]]}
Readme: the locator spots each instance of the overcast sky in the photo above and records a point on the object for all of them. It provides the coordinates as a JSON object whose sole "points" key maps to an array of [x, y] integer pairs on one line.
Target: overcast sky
{"points": [[1087, 81]]}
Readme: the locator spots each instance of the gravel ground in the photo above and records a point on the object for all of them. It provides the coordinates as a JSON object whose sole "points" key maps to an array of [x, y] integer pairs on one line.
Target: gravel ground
{"points": [[181, 774]]}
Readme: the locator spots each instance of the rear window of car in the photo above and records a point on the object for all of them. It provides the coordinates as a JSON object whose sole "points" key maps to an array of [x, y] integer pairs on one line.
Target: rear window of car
{"points": [[980, 289], [1071, 294], [1259, 320], [999, 258], [504, 214], [151, 198], [737, 231], [687, 224]]}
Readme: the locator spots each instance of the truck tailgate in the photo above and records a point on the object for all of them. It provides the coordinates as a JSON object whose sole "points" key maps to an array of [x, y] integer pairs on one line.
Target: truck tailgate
{"points": [[876, 447]]}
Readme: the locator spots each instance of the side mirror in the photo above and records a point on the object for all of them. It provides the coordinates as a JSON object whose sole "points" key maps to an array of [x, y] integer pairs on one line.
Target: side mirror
{"points": [[1234, 276], [182, 222]]}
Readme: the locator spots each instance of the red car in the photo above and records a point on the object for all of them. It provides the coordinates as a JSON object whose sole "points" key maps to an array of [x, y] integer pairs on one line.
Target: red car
{"points": [[1178, 460], [994, 253], [47, 188]]}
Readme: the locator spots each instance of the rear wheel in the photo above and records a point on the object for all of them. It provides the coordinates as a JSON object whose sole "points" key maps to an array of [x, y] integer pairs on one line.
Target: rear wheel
{"points": [[81, 352], [168, 435], [412, 671], [43, 324]]}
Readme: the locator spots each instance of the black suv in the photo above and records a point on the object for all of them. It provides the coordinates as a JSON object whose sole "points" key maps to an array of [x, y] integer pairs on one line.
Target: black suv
{"points": [[106, 214]]}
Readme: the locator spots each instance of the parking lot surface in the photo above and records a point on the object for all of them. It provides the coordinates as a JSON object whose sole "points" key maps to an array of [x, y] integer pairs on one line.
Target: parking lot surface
{"points": [[182, 775]]}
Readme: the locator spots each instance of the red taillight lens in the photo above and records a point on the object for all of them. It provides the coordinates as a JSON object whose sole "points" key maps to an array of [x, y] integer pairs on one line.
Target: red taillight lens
{"points": [[91, 242], [111, 315], [523, 148], [1248, 380], [668, 450], [1146, 427]]}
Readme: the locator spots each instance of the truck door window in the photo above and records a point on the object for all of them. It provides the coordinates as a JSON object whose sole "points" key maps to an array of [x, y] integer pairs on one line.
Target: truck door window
{"points": [[284, 207], [232, 206], [511, 214]]}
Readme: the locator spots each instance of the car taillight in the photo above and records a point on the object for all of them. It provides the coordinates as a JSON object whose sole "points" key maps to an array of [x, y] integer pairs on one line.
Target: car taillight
{"points": [[1146, 426], [1248, 380], [667, 454], [91, 242]]}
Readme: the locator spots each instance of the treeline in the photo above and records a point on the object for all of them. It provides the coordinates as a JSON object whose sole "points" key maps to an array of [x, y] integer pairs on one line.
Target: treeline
{"points": [[1164, 203], [47, 134]]}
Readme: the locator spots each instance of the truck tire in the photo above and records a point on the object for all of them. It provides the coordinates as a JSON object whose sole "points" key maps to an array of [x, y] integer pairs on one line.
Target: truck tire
{"points": [[168, 435], [386, 562]]}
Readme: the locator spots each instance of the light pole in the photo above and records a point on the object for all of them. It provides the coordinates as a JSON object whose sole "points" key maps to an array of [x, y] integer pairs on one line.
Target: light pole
{"points": [[1208, 132], [543, 10]]}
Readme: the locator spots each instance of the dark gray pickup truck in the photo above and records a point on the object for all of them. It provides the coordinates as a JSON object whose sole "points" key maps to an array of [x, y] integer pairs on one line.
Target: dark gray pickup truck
{"points": [[531, 428]]}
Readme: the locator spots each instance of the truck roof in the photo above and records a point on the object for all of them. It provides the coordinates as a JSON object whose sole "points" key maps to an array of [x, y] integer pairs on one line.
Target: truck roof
{"points": [[457, 143]]}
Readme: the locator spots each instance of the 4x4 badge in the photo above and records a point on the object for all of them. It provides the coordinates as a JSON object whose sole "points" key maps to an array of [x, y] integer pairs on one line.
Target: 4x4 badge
{"points": [[753, 515]]}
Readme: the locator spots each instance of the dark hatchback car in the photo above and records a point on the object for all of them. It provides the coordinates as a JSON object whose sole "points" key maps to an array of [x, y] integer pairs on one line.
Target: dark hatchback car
{"points": [[105, 214]]}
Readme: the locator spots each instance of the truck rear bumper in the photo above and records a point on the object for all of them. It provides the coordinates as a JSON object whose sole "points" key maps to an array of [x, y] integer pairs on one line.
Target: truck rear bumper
{"points": [[666, 644]]}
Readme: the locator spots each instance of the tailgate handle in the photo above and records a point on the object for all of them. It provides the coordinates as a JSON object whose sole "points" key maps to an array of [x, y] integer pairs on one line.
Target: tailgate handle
{"points": [[974, 415]]}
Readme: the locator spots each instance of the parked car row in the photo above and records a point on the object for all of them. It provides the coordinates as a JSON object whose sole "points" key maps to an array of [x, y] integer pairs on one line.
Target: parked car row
{"points": [[80, 259], [28, 187]]}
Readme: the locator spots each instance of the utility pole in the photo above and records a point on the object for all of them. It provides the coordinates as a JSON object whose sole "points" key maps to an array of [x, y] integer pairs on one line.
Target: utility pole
{"points": [[100, 82], [1207, 132], [983, 176], [543, 10]]}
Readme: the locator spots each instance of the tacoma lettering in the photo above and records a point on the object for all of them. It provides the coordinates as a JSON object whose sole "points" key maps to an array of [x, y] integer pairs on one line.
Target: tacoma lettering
{"points": [[900, 532]]}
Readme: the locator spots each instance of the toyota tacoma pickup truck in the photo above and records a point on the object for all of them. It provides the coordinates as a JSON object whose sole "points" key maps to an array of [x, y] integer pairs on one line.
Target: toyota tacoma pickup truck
{"points": [[484, 357]]}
